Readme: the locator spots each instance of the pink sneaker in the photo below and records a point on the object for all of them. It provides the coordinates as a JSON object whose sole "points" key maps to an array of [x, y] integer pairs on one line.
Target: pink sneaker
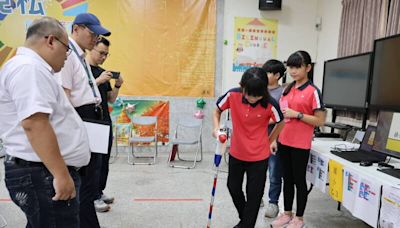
{"points": [[296, 223], [282, 220]]}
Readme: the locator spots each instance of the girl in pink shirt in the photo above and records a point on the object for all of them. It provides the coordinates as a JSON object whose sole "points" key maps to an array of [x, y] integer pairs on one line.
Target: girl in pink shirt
{"points": [[302, 107]]}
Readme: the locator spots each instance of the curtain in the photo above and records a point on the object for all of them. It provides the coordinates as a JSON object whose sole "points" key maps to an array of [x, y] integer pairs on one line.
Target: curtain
{"points": [[393, 26], [362, 22], [350, 27]]}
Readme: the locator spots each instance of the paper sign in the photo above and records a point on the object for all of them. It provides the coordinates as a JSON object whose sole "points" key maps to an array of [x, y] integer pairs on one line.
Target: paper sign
{"points": [[98, 137], [335, 180], [351, 179], [390, 209]]}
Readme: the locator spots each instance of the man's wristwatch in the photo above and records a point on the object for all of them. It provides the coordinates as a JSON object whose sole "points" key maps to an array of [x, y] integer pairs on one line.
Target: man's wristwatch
{"points": [[300, 116]]}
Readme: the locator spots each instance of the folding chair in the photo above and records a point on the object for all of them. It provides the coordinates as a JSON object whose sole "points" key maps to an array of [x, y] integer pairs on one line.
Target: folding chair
{"points": [[144, 131], [188, 132]]}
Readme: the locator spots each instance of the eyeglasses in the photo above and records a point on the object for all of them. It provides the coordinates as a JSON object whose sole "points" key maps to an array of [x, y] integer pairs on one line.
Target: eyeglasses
{"points": [[69, 50], [102, 53], [94, 35]]}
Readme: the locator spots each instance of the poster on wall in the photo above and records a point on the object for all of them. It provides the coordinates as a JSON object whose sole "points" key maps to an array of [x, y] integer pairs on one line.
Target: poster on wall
{"points": [[157, 55], [121, 113], [255, 41]]}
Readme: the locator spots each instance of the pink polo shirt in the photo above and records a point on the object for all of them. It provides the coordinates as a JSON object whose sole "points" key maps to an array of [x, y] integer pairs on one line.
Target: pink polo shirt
{"points": [[306, 99], [250, 140]]}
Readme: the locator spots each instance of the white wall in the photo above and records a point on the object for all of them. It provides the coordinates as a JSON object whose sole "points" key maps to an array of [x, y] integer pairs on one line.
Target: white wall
{"points": [[330, 12], [296, 31]]}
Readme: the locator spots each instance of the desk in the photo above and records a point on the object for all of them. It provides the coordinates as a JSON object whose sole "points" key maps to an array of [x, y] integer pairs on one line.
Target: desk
{"points": [[364, 184]]}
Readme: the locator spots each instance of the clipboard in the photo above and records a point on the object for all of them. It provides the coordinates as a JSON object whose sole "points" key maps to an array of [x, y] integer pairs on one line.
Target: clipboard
{"points": [[98, 133]]}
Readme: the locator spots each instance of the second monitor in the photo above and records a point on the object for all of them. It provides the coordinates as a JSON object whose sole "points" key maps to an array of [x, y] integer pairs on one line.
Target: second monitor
{"points": [[345, 82]]}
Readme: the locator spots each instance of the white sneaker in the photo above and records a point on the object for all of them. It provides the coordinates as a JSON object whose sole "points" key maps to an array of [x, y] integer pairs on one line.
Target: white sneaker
{"points": [[272, 210], [107, 199], [100, 206]]}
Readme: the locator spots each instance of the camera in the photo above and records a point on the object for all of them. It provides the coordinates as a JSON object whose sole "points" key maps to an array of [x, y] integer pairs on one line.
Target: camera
{"points": [[115, 74]]}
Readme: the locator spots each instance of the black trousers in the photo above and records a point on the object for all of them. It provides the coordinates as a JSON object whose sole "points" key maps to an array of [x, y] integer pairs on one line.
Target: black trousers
{"points": [[34, 182], [256, 174], [89, 185], [103, 166], [294, 164]]}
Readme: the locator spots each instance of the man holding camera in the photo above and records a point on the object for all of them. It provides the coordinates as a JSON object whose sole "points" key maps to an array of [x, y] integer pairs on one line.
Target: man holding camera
{"points": [[97, 56]]}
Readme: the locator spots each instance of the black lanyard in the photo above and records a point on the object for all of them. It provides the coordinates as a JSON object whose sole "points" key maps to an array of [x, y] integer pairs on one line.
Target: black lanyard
{"points": [[86, 69]]}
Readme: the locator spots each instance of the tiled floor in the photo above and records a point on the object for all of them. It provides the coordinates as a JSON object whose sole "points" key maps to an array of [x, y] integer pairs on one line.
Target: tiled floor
{"points": [[160, 196]]}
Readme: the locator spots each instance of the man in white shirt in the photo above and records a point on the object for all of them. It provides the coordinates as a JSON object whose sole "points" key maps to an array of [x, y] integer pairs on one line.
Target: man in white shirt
{"points": [[80, 87], [43, 136]]}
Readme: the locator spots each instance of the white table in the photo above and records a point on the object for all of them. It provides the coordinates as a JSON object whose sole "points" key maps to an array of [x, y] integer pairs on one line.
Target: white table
{"points": [[322, 146]]}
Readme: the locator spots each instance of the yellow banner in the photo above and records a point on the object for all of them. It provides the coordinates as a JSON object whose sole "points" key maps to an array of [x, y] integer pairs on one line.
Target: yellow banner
{"points": [[162, 48], [335, 180]]}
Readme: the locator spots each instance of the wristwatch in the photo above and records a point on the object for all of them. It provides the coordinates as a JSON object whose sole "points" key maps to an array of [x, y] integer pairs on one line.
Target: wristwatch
{"points": [[300, 116]]}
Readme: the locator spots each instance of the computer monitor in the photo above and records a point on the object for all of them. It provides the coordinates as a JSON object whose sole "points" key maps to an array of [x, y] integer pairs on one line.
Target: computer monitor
{"points": [[346, 81], [385, 77], [387, 138]]}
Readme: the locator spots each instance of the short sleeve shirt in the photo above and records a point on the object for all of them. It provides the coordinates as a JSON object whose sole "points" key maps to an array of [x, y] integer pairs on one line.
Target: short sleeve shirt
{"points": [[250, 139], [27, 87], [305, 99], [74, 77]]}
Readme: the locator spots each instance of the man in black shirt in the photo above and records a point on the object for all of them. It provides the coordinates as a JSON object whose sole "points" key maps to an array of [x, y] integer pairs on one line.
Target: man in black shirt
{"points": [[97, 57]]}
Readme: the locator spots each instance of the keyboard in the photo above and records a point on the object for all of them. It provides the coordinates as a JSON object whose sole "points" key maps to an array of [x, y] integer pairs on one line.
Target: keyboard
{"points": [[391, 172], [326, 135], [359, 156]]}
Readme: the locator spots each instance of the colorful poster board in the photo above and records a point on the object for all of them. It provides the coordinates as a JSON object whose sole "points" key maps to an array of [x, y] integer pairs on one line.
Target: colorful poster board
{"points": [[121, 117], [255, 41]]}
